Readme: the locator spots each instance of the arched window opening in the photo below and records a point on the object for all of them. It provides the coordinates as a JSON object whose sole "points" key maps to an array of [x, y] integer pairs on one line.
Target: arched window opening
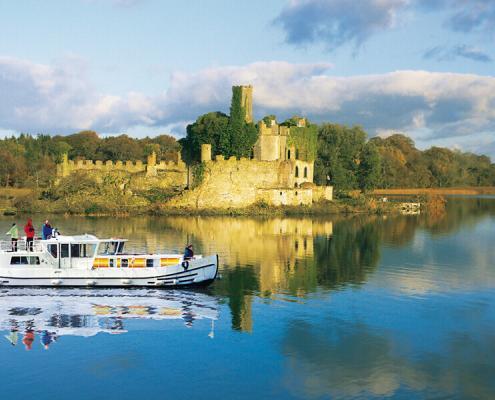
{"points": [[297, 172], [305, 172], [297, 154], [288, 154]]}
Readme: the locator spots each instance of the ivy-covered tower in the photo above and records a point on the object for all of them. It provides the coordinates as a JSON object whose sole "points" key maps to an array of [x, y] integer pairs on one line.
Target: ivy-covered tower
{"points": [[247, 102]]}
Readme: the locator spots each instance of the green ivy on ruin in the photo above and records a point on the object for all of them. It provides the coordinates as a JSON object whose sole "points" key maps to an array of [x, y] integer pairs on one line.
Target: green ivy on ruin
{"points": [[305, 140]]}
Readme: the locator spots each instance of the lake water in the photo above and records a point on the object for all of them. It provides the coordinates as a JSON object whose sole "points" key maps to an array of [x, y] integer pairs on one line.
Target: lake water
{"points": [[345, 307]]}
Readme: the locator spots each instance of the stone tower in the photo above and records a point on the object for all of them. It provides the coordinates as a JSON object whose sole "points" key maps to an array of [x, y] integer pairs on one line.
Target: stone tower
{"points": [[247, 102]]}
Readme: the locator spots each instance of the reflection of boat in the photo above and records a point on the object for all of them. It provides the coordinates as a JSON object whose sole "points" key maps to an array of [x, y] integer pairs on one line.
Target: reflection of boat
{"points": [[53, 313], [86, 261]]}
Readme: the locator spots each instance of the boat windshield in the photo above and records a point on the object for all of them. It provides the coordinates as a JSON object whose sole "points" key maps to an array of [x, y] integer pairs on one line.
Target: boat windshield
{"points": [[74, 250], [111, 248]]}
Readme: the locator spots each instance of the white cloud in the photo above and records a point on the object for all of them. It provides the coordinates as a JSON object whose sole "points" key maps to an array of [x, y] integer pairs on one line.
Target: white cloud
{"points": [[430, 105], [337, 22]]}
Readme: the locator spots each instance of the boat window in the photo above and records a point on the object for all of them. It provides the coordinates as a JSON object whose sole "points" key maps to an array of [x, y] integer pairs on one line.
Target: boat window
{"points": [[78, 250], [112, 248], [64, 250], [52, 248], [124, 262], [149, 262], [18, 260], [88, 250], [25, 260], [34, 260], [75, 250]]}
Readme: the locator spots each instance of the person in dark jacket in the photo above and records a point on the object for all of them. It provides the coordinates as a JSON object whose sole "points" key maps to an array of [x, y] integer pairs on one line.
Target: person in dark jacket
{"points": [[46, 232], [188, 252], [29, 231]]}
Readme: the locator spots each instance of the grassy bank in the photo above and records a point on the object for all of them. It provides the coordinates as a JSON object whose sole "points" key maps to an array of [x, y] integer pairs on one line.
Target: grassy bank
{"points": [[33, 205], [122, 203], [472, 191]]}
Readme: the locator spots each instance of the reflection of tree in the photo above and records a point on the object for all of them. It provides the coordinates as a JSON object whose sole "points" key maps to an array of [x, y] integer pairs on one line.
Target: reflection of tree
{"points": [[347, 256], [238, 284], [465, 212], [340, 359]]}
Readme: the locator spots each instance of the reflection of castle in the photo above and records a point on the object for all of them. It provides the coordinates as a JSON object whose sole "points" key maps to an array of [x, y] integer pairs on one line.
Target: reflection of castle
{"points": [[280, 250], [51, 314]]}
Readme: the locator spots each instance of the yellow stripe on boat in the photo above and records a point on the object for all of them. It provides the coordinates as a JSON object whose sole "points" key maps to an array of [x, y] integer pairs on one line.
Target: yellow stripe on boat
{"points": [[169, 261], [137, 263], [101, 263]]}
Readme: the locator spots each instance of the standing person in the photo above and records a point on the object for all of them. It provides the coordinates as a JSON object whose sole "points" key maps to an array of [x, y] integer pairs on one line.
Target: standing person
{"points": [[14, 236], [29, 230], [46, 231]]}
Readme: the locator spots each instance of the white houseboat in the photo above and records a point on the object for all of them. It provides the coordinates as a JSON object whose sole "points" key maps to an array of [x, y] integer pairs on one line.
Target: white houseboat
{"points": [[86, 261]]}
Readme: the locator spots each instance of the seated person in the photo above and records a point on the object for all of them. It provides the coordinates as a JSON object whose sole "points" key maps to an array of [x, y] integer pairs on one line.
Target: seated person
{"points": [[188, 252]]}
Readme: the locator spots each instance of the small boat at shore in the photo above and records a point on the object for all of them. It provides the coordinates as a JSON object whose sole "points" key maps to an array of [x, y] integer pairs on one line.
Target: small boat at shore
{"points": [[87, 261]]}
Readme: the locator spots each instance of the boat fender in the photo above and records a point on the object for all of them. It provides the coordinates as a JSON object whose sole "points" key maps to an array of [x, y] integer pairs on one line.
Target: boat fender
{"points": [[185, 265]]}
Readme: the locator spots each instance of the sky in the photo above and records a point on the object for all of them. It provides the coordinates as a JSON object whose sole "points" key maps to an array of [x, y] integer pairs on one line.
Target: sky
{"points": [[147, 67]]}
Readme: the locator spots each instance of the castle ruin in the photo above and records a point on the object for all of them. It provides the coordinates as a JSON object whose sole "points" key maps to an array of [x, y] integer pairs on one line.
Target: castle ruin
{"points": [[279, 173]]}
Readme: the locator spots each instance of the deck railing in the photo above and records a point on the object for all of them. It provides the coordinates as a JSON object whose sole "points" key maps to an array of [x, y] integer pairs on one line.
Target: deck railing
{"points": [[6, 245]]}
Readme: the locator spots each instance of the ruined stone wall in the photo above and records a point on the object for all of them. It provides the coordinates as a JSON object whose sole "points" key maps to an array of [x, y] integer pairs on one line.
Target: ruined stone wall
{"points": [[303, 171], [233, 183], [285, 197], [162, 174], [322, 193]]}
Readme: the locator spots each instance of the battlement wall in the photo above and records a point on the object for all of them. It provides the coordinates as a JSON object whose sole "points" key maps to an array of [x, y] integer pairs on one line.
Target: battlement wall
{"points": [[152, 168]]}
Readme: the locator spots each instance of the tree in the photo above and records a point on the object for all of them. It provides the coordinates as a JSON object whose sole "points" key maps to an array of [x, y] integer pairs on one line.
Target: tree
{"points": [[209, 128], [83, 145], [121, 148], [370, 170], [164, 146], [338, 156]]}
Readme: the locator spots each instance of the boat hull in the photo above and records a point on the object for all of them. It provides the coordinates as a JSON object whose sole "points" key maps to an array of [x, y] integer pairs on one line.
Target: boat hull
{"points": [[198, 272]]}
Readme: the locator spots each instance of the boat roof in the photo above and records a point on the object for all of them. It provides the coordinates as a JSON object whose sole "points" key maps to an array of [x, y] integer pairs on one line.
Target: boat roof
{"points": [[86, 238]]}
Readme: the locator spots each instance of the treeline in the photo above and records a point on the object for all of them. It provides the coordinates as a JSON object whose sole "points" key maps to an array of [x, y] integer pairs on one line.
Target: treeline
{"points": [[30, 161], [347, 160]]}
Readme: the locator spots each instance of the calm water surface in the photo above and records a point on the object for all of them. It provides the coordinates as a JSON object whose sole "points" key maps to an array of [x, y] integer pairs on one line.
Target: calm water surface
{"points": [[360, 307]]}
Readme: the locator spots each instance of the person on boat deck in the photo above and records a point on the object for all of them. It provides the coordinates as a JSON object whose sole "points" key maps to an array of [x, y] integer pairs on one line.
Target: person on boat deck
{"points": [[188, 252], [14, 236], [29, 230], [46, 231]]}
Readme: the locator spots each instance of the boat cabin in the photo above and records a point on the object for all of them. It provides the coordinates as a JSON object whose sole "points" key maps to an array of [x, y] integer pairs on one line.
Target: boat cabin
{"points": [[84, 252]]}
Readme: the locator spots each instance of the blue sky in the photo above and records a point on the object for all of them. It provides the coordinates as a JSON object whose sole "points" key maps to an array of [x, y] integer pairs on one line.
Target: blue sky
{"points": [[146, 67]]}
